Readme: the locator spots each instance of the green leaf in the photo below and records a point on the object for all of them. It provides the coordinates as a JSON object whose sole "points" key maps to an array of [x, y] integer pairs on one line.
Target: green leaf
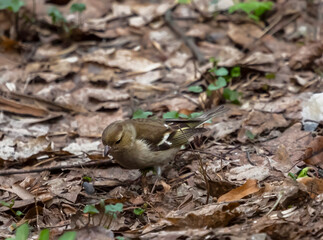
{"points": [[195, 114], [120, 238], [184, 1], [11, 5], [270, 75], [292, 175], [182, 115], [235, 72], [213, 70], [77, 7], [213, 60], [8, 205], [56, 15], [141, 114], [172, 114], [19, 213], [71, 235], [91, 209], [22, 232], [44, 234], [220, 83], [195, 89], [221, 72], [87, 179], [250, 135], [231, 95], [303, 173], [118, 207], [138, 211], [254, 9]]}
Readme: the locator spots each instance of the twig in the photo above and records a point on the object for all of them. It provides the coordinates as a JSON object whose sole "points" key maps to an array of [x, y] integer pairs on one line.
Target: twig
{"points": [[80, 165], [187, 40], [276, 203]]}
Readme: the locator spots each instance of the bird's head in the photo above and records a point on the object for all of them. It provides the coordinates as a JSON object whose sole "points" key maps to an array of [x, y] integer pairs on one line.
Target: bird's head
{"points": [[118, 136]]}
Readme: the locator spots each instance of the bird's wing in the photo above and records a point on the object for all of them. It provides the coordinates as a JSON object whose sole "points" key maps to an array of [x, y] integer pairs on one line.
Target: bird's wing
{"points": [[161, 136], [195, 122]]}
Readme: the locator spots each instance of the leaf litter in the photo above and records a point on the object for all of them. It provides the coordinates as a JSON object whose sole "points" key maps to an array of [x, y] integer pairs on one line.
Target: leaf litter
{"points": [[63, 83]]}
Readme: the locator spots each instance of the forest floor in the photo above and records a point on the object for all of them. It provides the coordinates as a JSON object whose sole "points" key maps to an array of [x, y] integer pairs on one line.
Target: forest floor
{"points": [[65, 75]]}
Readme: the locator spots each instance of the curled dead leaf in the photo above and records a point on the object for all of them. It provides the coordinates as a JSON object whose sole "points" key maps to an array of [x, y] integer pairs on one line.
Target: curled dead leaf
{"points": [[313, 154], [246, 189]]}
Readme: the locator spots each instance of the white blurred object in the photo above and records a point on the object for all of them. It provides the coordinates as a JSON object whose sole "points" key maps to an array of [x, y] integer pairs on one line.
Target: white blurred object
{"points": [[313, 112]]}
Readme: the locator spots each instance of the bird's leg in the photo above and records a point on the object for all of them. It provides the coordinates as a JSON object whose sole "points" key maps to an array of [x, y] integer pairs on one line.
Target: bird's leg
{"points": [[158, 173]]}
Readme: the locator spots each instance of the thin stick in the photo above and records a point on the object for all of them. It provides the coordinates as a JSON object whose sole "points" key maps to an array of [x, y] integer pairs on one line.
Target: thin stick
{"points": [[80, 165]]}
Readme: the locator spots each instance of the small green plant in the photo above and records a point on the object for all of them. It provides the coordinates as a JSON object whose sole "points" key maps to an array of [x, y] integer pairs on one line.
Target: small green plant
{"points": [[195, 89], [292, 175], [254, 9], [44, 234], [184, 1], [231, 95], [59, 19], [223, 76], [11, 5], [87, 179], [113, 209], [303, 173], [220, 83], [120, 238], [250, 135], [70, 235], [139, 211], [141, 114], [176, 115], [14, 7], [22, 232], [56, 15], [90, 209], [270, 76], [110, 212], [79, 8], [10, 205]]}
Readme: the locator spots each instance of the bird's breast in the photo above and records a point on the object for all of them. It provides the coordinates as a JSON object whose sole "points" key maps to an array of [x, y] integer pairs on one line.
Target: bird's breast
{"points": [[140, 156]]}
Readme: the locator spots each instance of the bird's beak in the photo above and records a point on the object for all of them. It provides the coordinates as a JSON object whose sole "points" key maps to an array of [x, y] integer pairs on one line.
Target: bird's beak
{"points": [[106, 151]]}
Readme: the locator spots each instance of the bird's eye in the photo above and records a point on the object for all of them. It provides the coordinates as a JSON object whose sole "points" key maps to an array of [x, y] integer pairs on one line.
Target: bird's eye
{"points": [[117, 142]]}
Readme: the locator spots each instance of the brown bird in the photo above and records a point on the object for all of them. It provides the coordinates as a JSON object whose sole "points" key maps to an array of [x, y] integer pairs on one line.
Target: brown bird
{"points": [[144, 143]]}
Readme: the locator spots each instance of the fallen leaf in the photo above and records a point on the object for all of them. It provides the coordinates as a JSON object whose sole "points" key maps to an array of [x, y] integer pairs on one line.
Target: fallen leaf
{"points": [[313, 154], [20, 108], [246, 189], [314, 186], [306, 55]]}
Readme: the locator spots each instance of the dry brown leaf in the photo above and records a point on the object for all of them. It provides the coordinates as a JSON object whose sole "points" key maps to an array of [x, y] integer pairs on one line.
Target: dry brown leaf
{"points": [[218, 188], [246, 189], [314, 185], [124, 59], [258, 122], [244, 34], [306, 55], [314, 152], [21, 192], [97, 233], [20, 108], [228, 56]]}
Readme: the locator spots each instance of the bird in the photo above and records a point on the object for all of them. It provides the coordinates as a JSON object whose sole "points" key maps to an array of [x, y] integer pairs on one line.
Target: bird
{"points": [[146, 143]]}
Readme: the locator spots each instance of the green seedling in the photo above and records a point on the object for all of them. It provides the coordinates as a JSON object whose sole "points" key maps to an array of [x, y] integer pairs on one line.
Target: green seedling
{"points": [[254, 9], [22, 232], [141, 114], [79, 8]]}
